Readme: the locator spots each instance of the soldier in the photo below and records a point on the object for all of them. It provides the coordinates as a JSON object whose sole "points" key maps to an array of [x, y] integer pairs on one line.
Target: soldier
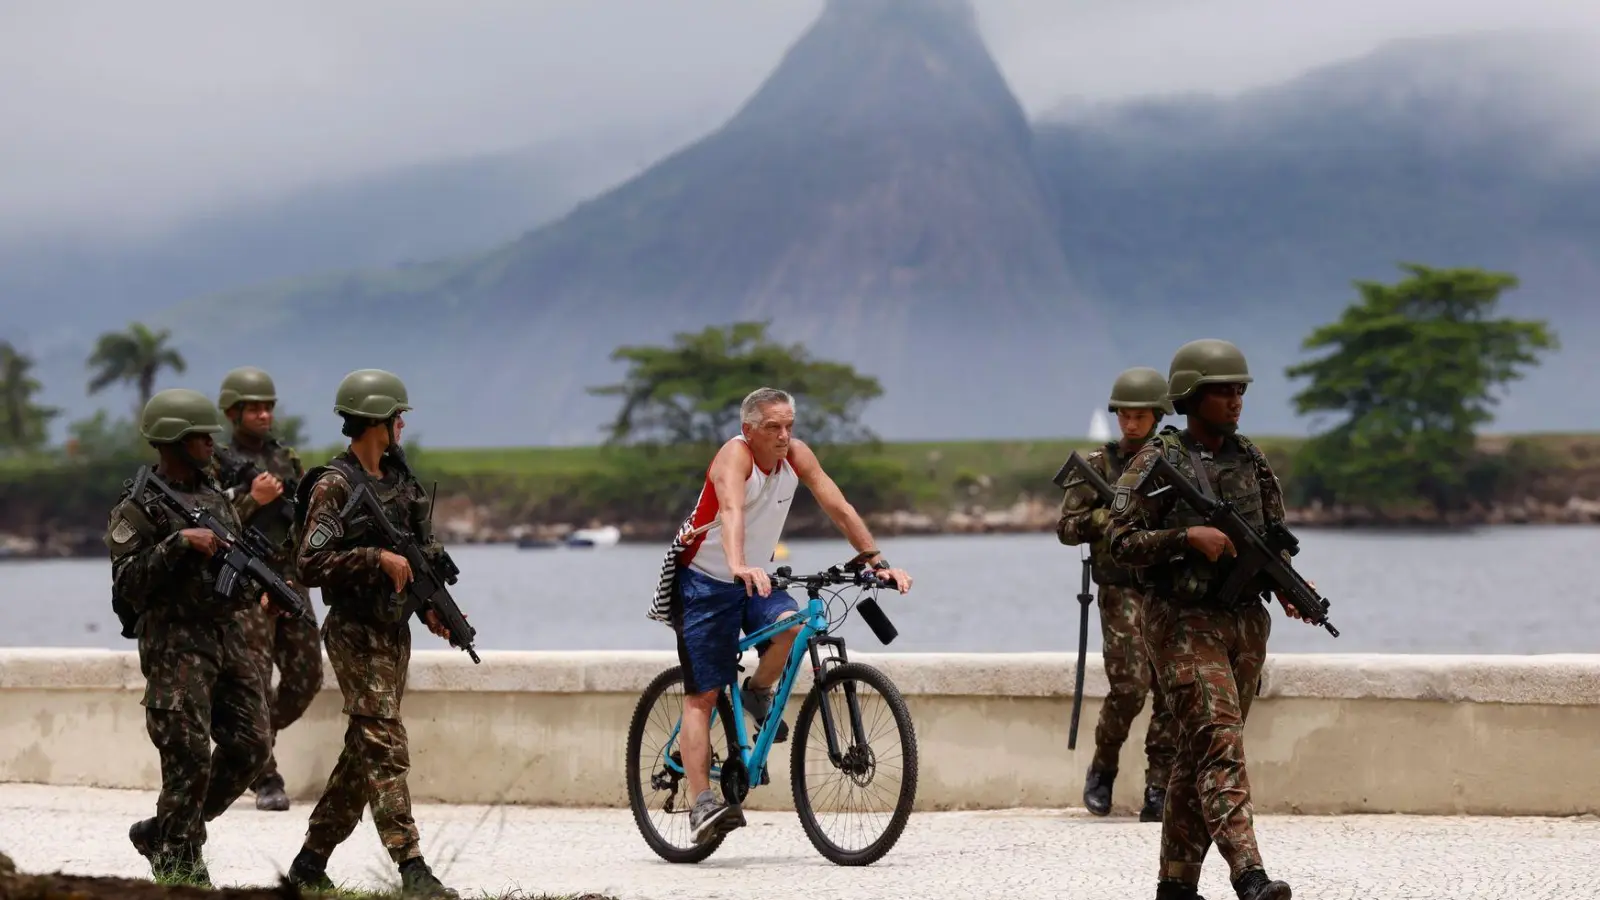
{"points": [[201, 683], [366, 631], [1208, 650], [1138, 400], [248, 398]]}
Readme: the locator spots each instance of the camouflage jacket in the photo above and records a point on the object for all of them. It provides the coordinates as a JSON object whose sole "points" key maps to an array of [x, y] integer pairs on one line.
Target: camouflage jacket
{"points": [[153, 570], [1149, 533], [1077, 524], [340, 554], [231, 464]]}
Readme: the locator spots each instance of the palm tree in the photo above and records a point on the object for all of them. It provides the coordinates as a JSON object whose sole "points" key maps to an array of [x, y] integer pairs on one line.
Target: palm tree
{"points": [[24, 422], [135, 356]]}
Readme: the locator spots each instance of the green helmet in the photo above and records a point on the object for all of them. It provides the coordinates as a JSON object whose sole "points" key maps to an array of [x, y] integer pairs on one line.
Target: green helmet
{"points": [[371, 394], [1206, 361], [176, 413], [246, 384], [1140, 388]]}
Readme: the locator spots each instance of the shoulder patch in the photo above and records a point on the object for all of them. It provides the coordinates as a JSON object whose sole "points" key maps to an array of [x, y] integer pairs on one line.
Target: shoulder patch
{"points": [[127, 524], [1122, 498], [321, 535], [121, 530]]}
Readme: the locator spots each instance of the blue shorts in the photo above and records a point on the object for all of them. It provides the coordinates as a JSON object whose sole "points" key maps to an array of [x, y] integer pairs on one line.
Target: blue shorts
{"points": [[711, 613]]}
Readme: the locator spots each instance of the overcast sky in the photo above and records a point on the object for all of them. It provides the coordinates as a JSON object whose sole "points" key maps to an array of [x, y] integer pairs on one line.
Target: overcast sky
{"points": [[136, 113]]}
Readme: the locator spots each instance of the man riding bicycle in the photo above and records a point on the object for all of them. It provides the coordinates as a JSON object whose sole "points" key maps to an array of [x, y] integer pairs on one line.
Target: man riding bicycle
{"points": [[742, 508]]}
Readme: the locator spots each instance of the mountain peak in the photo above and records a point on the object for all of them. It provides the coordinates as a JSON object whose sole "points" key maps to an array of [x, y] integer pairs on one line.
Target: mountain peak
{"points": [[904, 65], [958, 12]]}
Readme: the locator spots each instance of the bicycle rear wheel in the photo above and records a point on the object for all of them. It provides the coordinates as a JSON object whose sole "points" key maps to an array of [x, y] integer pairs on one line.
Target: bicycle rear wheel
{"points": [[658, 789], [854, 804]]}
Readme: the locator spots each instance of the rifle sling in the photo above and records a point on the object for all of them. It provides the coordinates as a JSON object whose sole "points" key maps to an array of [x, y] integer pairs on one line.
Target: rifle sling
{"points": [[1201, 476]]}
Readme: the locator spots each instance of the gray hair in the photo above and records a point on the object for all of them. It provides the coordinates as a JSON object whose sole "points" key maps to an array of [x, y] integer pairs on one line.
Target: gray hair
{"points": [[750, 409]]}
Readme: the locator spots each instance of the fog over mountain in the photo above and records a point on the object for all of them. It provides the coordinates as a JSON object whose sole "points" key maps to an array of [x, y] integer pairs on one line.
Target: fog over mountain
{"points": [[884, 196]]}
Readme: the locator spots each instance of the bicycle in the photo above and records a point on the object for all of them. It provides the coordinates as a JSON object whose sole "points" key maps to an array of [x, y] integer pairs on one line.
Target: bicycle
{"points": [[860, 765]]}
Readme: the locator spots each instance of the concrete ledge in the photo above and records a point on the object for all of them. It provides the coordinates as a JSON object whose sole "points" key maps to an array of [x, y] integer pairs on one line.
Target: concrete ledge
{"points": [[1330, 733], [1554, 679]]}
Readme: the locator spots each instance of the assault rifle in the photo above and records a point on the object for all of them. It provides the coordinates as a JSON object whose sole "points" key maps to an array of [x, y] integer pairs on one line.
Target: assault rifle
{"points": [[1076, 463], [1259, 552], [427, 587], [239, 558]]}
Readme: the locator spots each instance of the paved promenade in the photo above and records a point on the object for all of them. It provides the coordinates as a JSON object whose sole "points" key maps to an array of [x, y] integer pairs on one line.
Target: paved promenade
{"points": [[1015, 854]]}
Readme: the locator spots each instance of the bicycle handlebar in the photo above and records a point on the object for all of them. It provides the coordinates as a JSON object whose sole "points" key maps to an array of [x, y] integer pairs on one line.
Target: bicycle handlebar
{"points": [[831, 576]]}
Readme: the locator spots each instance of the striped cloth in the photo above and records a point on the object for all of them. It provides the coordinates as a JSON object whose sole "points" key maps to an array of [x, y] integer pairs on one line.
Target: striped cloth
{"points": [[666, 584]]}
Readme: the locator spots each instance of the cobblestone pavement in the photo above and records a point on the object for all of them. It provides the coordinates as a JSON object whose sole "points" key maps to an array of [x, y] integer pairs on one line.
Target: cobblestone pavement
{"points": [[1012, 854]]}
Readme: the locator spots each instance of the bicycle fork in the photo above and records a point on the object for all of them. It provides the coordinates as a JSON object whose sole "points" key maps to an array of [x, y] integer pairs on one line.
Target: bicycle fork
{"points": [[819, 670]]}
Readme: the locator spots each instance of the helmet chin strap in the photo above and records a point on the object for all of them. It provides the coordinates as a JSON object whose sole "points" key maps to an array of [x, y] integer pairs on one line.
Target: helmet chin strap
{"points": [[180, 449]]}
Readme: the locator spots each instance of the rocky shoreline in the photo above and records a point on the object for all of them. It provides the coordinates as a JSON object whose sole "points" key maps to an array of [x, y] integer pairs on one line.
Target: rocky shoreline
{"points": [[464, 522]]}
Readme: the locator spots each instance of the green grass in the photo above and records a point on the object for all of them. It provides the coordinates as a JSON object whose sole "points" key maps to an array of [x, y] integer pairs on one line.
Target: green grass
{"points": [[940, 456]]}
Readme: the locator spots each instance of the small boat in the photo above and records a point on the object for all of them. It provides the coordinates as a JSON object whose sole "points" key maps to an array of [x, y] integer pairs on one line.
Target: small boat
{"points": [[1100, 427], [594, 537], [533, 543]]}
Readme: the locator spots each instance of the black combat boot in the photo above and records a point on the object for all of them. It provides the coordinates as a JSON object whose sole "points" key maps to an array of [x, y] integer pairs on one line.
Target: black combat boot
{"points": [[270, 794], [417, 880], [1176, 890], [1097, 791], [310, 871], [146, 837], [1254, 885], [1155, 800]]}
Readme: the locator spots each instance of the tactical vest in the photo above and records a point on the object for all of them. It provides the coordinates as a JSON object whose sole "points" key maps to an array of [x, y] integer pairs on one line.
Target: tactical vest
{"points": [[1235, 473], [275, 521], [192, 594], [404, 503]]}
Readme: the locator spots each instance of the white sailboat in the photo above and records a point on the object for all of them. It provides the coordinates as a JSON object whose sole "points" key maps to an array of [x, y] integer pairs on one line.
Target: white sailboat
{"points": [[1100, 426]]}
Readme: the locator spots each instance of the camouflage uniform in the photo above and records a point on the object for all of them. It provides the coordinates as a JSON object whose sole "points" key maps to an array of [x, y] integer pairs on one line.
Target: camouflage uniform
{"points": [[290, 643], [367, 635], [369, 646], [1122, 602], [201, 684]]}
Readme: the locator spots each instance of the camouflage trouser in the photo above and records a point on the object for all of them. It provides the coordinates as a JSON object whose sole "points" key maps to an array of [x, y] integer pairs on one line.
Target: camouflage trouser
{"points": [[200, 685], [370, 662], [1131, 676], [1209, 662], [296, 648]]}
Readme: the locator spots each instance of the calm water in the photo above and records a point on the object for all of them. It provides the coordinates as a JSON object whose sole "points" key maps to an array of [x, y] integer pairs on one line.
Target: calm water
{"points": [[1495, 590]]}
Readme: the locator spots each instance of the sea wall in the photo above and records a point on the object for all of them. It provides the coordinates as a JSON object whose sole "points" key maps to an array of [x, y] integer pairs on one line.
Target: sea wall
{"points": [[1330, 733]]}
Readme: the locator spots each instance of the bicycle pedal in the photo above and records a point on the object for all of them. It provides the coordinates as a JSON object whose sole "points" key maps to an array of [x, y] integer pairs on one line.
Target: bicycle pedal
{"points": [[781, 736]]}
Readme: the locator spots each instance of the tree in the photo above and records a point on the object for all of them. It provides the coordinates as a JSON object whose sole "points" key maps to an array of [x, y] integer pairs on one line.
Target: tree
{"points": [[689, 393], [100, 437], [23, 425], [1414, 368], [136, 357]]}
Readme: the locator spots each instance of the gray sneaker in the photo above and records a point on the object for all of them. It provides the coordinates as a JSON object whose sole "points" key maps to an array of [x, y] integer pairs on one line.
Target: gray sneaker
{"points": [[710, 817], [758, 704]]}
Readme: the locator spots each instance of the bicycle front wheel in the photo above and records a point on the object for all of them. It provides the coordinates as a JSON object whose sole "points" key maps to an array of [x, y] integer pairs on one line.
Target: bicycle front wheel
{"points": [[854, 794]]}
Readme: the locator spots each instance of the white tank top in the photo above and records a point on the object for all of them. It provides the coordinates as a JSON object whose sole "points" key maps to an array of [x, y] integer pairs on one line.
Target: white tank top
{"points": [[767, 498]]}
